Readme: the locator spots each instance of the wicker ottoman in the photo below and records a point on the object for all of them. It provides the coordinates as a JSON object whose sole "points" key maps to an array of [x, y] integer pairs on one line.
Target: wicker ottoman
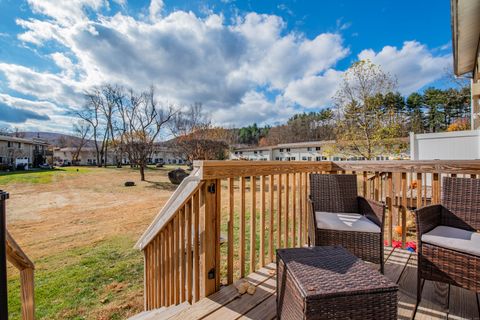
{"points": [[331, 283]]}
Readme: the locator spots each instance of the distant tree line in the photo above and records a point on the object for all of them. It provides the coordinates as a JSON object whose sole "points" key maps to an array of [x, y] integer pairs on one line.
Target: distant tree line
{"points": [[368, 112]]}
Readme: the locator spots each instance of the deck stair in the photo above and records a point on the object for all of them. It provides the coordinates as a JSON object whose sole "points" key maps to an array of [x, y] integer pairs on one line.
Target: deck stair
{"points": [[163, 313]]}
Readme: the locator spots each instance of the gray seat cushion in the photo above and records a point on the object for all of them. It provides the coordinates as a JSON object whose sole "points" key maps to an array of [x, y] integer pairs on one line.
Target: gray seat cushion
{"points": [[454, 239], [345, 222]]}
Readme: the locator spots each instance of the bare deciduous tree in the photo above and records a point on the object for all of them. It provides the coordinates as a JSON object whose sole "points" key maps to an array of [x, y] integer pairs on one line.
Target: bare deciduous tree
{"points": [[361, 125], [196, 138], [81, 131], [143, 118]]}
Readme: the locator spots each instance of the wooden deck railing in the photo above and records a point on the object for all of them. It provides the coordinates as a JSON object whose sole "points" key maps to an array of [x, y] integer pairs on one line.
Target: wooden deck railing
{"points": [[12, 252], [207, 236]]}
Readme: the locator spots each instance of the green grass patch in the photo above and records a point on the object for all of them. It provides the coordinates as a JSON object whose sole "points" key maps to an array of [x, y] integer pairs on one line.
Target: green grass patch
{"points": [[39, 176], [69, 285]]}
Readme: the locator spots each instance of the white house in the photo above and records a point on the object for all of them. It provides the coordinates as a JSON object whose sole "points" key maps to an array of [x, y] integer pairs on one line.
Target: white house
{"points": [[302, 151]]}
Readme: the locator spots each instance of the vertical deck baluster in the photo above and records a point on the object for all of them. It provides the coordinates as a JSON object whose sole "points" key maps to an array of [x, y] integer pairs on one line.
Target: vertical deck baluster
{"points": [[262, 221], [404, 208], [279, 211], [231, 208], [435, 189], [305, 206], [287, 210], [196, 244], [364, 184], [300, 210], [271, 187], [189, 251], [389, 198], [419, 190], [183, 269], [242, 228], [155, 273], [253, 222], [162, 274], [218, 220], [176, 256], [171, 259], [294, 209]]}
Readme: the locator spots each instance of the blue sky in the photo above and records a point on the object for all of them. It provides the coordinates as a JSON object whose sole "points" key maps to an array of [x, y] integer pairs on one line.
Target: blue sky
{"points": [[246, 61]]}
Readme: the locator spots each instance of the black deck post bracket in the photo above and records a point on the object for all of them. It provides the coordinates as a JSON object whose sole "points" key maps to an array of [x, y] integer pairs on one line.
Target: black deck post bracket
{"points": [[211, 188], [211, 274], [3, 258]]}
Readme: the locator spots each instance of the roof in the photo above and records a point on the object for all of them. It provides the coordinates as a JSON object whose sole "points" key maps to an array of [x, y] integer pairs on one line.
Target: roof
{"points": [[305, 144], [465, 35], [23, 140], [267, 148]]}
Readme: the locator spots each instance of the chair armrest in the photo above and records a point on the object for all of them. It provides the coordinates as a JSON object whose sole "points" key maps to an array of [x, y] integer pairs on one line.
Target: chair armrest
{"points": [[373, 210], [428, 218]]}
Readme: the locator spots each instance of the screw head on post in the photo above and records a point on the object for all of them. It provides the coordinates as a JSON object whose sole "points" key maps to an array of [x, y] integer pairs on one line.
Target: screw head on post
{"points": [[3, 195]]}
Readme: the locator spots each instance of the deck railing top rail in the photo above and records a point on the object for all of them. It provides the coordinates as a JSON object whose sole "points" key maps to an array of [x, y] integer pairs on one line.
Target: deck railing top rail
{"points": [[225, 169], [176, 200]]}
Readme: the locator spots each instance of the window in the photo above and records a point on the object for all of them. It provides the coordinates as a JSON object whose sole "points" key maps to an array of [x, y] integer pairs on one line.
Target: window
{"points": [[318, 158], [288, 149], [281, 150], [9, 144], [324, 158], [304, 158], [336, 159], [236, 152], [317, 148], [309, 149], [292, 158], [241, 152], [277, 158], [19, 145], [309, 158], [255, 152]]}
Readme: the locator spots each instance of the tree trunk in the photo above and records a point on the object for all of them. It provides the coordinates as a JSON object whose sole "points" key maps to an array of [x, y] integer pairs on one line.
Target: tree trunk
{"points": [[142, 172]]}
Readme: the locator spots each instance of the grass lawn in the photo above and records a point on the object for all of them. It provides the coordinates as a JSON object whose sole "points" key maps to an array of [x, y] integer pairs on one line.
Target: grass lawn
{"points": [[87, 282], [38, 176], [79, 225]]}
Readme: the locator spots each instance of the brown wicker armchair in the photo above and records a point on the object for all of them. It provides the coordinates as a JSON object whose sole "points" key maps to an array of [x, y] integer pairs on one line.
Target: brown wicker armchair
{"points": [[448, 238], [340, 217]]}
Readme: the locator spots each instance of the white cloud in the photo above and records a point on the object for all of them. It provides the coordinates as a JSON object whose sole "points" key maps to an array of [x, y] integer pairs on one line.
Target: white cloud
{"points": [[186, 57], [66, 12], [155, 9], [414, 65], [254, 108], [245, 70], [314, 91], [44, 86]]}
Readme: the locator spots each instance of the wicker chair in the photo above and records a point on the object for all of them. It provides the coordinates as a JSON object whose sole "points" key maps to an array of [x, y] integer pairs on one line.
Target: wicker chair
{"points": [[340, 217], [448, 238]]}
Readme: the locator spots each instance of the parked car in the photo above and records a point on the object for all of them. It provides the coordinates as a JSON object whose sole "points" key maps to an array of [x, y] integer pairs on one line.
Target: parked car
{"points": [[45, 166]]}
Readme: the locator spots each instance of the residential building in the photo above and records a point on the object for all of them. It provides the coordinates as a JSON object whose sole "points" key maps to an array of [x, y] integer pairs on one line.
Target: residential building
{"points": [[27, 153], [88, 156], [304, 151]]}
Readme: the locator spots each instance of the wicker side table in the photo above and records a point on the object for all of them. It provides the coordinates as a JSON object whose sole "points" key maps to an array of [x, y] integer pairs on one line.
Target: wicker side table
{"points": [[331, 283]]}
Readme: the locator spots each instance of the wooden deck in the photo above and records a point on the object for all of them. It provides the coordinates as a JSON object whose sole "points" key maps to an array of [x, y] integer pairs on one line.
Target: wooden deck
{"points": [[438, 302]]}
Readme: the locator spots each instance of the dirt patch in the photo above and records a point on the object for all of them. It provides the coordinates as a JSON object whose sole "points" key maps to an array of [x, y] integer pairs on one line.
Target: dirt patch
{"points": [[78, 210]]}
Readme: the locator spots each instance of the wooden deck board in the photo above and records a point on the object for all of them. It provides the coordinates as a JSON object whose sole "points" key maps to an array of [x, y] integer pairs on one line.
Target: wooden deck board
{"points": [[437, 301]]}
